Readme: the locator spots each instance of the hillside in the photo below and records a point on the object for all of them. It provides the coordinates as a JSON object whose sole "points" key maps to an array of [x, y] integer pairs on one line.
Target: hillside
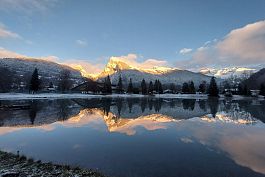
{"points": [[48, 71], [256, 79]]}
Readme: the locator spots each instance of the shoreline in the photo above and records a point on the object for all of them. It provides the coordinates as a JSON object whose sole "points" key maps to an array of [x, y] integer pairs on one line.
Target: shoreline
{"points": [[20, 166], [26, 96]]}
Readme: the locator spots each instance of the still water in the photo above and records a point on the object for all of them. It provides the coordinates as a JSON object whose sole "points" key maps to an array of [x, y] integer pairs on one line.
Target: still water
{"points": [[141, 137]]}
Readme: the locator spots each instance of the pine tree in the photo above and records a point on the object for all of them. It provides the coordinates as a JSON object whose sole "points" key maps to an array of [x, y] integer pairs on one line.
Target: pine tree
{"points": [[143, 87], [130, 87], [120, 86], [262, 89], [240, 89], [213, 88], [35, 81], [107, 85], [246, 90], [185, 87], [160, 87], [191, 87], [156, 86], [151, 88], [202, 87]]}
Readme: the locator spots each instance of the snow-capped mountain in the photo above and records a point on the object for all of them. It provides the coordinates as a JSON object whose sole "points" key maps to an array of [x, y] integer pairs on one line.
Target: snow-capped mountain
{"points": [[228, 72], [117, 68]]}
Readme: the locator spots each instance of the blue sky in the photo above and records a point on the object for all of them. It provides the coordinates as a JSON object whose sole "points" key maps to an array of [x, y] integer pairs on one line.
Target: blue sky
{"points": [[94, 30]]}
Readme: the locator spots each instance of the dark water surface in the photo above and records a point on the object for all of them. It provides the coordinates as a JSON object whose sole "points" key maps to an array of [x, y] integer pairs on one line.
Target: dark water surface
{"points": [[141, 137]]}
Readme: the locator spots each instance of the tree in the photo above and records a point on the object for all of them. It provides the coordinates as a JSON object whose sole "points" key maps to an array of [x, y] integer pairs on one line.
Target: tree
{"points": [[151, 88], [213, 88], [191, 87], [202, 87], [119, 86], [6, 79], [246, 90], [143, 87], [262, 89], [172, 87], [130, 87], [185, 87], [65, 82], [240, 89], [160, 87], [35, 81], [107, 86], [156, 86]]}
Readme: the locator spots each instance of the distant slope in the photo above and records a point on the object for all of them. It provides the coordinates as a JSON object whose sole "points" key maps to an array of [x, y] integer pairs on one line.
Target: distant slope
{"points": [[49, 71], [116, 68], [256, 79]]}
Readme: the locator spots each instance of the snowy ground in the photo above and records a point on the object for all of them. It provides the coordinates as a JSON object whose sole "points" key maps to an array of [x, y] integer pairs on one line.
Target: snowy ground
{"points": [[24, 96]]}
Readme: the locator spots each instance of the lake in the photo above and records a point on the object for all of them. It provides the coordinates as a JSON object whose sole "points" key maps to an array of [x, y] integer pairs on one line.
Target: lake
{"points": [[141, 137]]}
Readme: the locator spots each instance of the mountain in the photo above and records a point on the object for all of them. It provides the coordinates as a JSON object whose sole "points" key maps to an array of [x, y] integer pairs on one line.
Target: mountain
{"points": [[256, 79], [228, 72], [48, 71], [116, 68]]}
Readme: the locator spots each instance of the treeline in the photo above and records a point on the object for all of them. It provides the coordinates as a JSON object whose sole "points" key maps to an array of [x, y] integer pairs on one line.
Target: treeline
{"points": [[12, 81], [156, 87]]}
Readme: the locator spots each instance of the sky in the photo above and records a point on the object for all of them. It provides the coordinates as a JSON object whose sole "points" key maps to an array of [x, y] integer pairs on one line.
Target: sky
{"points": [[186, 34]]}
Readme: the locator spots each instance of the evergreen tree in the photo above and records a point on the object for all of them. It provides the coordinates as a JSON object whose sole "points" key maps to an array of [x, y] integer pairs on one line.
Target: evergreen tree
{"points": [[160, 87], [262, 89], [240, 89], [107, 86], [143, 87], [185, 87], [151, 88], [119, 86], [202, 87], [191, 87], [130, 87], [213, 88], [246, 90], [35, 81], [156, 86]]}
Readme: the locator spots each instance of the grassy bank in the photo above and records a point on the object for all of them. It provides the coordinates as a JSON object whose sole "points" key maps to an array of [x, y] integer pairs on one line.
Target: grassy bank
{"points": [[19, 166]]}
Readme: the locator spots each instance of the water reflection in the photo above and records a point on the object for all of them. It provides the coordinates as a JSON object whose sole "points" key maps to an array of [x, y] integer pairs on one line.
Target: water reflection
{"points": [[141, 137]]}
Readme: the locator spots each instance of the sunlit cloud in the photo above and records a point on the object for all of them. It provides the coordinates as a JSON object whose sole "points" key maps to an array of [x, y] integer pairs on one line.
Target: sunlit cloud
{"points": [[243, 46], [185, 51], [5, 33], [133, 60], [4, 53]]}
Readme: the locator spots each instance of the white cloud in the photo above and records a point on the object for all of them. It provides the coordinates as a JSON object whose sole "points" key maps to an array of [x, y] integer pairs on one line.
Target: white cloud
{"points": [[241, 47], [27, 6], [185, 51], [5, 33], [81, 42], [132, 59], [4, 53]]}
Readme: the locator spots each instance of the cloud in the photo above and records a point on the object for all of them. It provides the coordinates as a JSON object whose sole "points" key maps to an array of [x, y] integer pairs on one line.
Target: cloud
{"points": [[27, 6], [81, 42], [86, 68], [241, 47], [185, 51], [5, 33], [4, 53], [132, 60]]}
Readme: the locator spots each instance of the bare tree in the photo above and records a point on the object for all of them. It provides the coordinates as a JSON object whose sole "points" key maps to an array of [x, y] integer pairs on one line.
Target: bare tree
{"points": [[65, 82]]}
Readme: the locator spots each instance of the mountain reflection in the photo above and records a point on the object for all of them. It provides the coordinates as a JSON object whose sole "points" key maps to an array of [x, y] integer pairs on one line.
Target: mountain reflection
{"points": [[42, 112]]}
